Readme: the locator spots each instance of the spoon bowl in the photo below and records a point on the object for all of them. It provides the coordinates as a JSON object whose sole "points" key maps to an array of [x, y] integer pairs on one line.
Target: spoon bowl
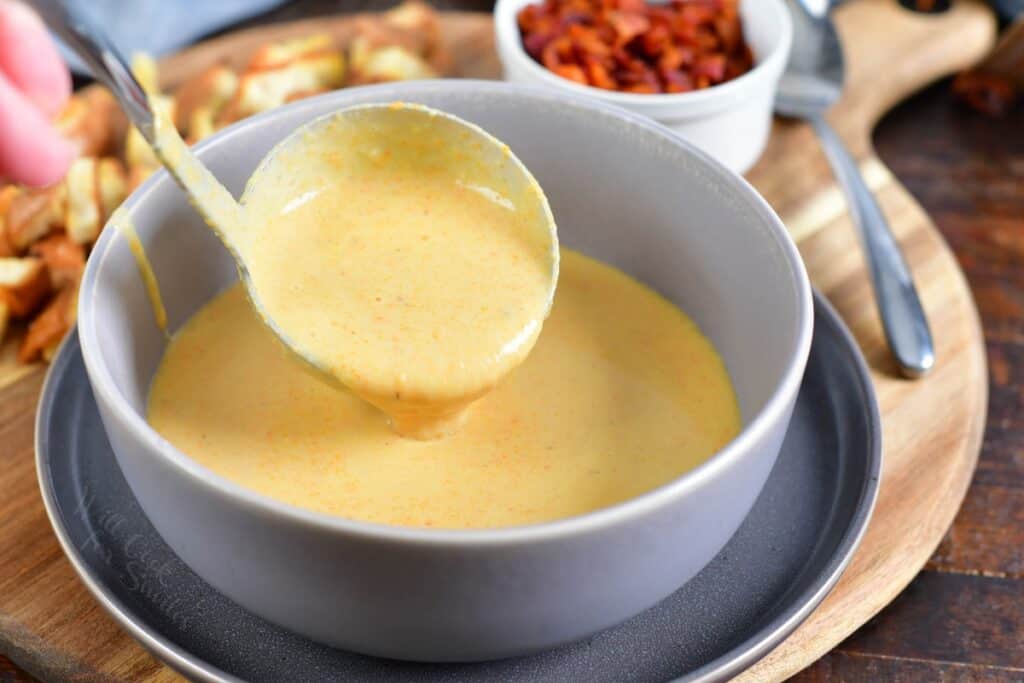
{"points": [[813, 79], [426, 142]]}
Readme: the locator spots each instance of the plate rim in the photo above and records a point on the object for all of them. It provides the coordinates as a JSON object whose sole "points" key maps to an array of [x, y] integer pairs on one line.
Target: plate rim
{"points": [[164, 650], [745, 654], [740, 657]]}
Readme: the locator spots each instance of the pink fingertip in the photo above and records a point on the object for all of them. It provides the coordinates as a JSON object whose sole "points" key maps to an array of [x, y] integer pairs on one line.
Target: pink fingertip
{"points": [[30, 60], [31, 151]]}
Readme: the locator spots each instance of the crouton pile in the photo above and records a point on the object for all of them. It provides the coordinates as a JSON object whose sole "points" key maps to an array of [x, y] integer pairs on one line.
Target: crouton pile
{"points": [[46, 234]]}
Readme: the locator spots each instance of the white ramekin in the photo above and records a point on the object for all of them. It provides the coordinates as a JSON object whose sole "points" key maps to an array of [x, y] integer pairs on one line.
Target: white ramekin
{"points": [[731, 121]]}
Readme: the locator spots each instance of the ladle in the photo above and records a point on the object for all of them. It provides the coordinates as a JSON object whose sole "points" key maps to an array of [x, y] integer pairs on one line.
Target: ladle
{"points": [[229, 220]]}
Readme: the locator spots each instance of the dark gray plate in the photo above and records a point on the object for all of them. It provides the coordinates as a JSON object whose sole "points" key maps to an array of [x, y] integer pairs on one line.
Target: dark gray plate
{"points": [[783, 560]]}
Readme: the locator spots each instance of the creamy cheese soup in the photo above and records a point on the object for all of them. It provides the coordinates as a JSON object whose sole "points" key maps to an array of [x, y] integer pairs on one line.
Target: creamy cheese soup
{"points": [[407, 254], [620, 395]]}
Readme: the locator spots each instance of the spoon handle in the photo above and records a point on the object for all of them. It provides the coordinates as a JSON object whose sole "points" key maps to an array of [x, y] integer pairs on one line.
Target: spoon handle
{"points": [[103, 59], [903, 318]]}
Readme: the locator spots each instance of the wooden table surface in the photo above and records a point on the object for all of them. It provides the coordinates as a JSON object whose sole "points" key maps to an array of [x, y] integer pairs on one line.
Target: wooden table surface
{"points": [[963, 617]]}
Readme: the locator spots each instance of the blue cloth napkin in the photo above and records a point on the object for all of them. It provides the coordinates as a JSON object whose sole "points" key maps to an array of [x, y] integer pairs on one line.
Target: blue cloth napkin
{"points": [[161, 26]]}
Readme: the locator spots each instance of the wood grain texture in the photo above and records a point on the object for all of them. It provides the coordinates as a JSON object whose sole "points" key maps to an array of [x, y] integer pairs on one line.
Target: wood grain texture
{"points": [[11, 673], [932, 427], [980, 202], [890, 53], [969, 171], [10, 369], [49, 624], [973, 620], [859, 668]]}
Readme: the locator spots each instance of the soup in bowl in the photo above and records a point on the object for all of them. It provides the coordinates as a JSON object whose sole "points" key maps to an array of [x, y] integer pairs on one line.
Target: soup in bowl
{"points": [[639, 211]]}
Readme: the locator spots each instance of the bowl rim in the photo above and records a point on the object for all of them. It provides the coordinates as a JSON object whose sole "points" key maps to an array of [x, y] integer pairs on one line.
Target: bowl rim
{"points": [[509, 44], [775, 408]]}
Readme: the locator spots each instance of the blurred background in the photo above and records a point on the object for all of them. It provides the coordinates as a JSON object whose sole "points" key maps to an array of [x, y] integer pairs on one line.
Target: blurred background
{"points": [[158, 26]]}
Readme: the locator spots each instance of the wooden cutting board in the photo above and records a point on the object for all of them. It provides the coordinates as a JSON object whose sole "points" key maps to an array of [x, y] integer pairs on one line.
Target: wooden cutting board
{"points": [[932, 428]]}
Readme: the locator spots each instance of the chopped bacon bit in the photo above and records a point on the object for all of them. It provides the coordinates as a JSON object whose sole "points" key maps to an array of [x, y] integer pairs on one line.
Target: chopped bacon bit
{"points": [[677, 81], [643, 89], [630, 46], [572, 72], [628, 25], [597, 74], [712, 66]]}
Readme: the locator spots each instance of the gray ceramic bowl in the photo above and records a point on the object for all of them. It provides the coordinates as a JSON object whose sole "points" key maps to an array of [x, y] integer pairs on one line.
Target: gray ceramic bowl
{"points": [[622, 189]]}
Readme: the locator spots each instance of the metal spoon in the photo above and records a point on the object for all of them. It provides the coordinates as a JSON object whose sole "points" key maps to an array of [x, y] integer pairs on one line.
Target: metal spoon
{"points": [[227, 217], [813, 81]]}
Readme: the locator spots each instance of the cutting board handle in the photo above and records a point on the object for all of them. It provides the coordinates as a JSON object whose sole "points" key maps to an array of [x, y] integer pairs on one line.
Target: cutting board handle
{"points": [[892, 52]]}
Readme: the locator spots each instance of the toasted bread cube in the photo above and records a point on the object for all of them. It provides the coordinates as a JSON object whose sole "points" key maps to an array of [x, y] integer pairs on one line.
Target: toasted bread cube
{"points": [[71, 118], [359, 50], [282, 72], [95, 187], [63, 257], [7, 195], [412, 27], [372, 32], [92, 121], [82, 216], [262, 90], [33, 214], [422, 20], [5, 317], [138, 154], [415, 16], [202, 123], [111, 186], [137, 151], [303, 94], [47, 330], [200, 100], [50, 352], [24, 283], [137, 175], [392, 63], [142, 161], [146, 72], [286, 52]]}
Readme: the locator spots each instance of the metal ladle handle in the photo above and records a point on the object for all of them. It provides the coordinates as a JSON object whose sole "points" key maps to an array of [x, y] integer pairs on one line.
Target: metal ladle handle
{"points": [[104, 60]]}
